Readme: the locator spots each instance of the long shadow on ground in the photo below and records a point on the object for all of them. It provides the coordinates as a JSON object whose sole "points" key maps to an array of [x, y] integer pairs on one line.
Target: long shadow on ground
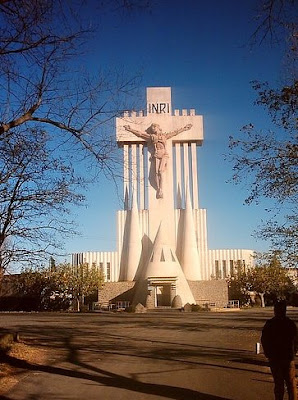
{"points": [[114, 380]]}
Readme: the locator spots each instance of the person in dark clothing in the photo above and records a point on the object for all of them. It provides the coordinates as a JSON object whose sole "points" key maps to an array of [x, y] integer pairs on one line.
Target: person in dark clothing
{"points": [[279, 341]]}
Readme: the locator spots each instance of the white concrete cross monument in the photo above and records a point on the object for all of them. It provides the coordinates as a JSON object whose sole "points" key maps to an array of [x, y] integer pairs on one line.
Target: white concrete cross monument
{"points": [[162, 257], [160, 170], [160, 158]]}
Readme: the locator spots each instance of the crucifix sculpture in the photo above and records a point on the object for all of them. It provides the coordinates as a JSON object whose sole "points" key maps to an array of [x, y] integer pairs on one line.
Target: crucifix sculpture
{"points": [[156, 140]]}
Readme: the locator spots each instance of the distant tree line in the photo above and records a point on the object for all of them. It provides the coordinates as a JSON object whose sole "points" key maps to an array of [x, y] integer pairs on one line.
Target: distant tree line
{"points": [[264, 283], [60, 287]]}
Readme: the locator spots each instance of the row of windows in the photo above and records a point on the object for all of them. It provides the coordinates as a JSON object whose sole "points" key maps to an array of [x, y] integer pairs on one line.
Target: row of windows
{"points": [[78, 259], [108, 270], [227, 270]]}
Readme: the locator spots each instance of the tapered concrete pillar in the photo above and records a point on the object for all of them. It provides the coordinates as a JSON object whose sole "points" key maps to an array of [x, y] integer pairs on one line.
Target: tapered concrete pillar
{"points": [[189, 256], [132, 244]]}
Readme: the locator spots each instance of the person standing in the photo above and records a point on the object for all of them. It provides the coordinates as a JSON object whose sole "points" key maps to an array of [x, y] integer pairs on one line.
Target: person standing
{"points": [[279, 341]]}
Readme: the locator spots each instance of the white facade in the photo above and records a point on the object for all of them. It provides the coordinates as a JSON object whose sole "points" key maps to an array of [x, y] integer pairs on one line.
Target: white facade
{"points": [[167, 196], [107, 260]]}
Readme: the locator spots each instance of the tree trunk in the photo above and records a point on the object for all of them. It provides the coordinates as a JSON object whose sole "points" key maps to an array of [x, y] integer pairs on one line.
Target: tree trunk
{"points": [[78, 304], [262, 295]]}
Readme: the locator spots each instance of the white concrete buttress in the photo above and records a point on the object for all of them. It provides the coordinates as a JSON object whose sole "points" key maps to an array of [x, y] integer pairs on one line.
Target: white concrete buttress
{"points": [[189, 256], [132, 244]]}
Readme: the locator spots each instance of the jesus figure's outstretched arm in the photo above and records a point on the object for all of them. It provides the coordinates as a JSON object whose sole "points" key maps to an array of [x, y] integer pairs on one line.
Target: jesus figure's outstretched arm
{"points": [[177, 131], [142, 135]]}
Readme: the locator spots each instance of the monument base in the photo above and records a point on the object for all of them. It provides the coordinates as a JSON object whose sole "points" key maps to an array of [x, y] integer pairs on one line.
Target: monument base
{"points": [[160, 293]]}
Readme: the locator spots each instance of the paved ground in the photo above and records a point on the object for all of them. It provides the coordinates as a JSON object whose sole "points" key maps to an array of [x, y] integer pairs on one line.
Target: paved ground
{"points": [[153, 356]]}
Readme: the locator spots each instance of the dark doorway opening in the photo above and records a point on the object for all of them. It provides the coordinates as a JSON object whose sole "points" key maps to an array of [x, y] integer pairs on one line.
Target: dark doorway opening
{"points": [[163, 296]]}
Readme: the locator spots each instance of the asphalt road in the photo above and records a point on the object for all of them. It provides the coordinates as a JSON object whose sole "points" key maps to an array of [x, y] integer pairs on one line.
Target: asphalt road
{"points": [[152, 356]]}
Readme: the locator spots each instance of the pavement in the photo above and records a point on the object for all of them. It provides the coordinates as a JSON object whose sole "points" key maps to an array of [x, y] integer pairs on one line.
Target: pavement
{"points": [[150, 356]]}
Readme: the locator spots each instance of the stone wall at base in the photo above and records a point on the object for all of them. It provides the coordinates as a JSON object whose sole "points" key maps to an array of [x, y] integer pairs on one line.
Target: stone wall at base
{"points": [[211, 292], [116, 291], [214, 291]]}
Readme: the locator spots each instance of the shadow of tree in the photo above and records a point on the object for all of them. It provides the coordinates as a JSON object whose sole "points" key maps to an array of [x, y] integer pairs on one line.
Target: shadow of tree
{"points": [[133, 346], [113, 380], [75, 339]]}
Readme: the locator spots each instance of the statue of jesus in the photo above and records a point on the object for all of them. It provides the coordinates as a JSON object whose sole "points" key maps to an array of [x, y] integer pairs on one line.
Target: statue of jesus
{"points": [[157, 146]]}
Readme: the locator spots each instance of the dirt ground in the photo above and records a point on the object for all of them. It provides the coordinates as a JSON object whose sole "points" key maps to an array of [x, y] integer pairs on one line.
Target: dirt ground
{"points": [[9, 375]]}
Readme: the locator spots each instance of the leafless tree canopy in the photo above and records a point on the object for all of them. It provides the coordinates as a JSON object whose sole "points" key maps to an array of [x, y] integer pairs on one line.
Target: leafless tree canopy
{"points": [[42, 82], [275, 20], [268, 159], [36, 189], [53, 115]]}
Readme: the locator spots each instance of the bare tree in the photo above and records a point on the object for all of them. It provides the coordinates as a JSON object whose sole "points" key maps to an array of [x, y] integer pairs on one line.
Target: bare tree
{"points": [[43, 85], [268, 159], [53, 116], [275, 20], [36, 188]]}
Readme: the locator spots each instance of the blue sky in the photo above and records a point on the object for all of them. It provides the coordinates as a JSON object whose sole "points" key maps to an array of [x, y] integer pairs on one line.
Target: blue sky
{"points": [[201, 50]]}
